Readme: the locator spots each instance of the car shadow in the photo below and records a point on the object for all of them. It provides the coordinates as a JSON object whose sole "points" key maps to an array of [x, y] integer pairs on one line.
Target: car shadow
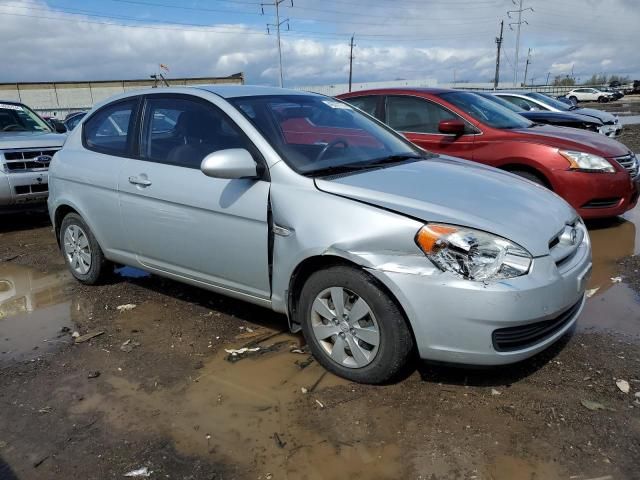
{"points": [[431, 372], [490, 376], [199, 296], [28, 220], [6, 473]]}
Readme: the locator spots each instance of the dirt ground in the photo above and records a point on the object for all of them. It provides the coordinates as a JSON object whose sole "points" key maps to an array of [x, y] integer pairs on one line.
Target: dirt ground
{"points": [[156, 388]]}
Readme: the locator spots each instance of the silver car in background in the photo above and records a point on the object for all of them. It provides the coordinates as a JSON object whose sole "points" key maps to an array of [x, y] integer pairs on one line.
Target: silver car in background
{"points": [[300, 203]]}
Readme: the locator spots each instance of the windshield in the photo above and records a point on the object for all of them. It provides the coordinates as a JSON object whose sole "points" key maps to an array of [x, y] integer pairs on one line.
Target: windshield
{"points": [[501, 101], [317, 135], [550, 101], [486, 111], [18, 118]]}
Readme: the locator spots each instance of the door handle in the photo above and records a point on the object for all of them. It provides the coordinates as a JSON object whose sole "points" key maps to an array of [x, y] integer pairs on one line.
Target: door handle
{"points": [[139, 181]]}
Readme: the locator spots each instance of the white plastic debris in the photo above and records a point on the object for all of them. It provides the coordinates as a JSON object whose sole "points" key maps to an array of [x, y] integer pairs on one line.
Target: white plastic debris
{"points": [[140, 472], [240, 351], [623, 385], [616, 279], [75, 334], [592, 291], [126, 307], [495, 392], [320, 404], [303, 390]]}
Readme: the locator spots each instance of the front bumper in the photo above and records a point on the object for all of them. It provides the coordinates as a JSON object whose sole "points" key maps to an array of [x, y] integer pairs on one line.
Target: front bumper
{"points": [[612, 131], [454, 320], [23, 189], [596, 195]]}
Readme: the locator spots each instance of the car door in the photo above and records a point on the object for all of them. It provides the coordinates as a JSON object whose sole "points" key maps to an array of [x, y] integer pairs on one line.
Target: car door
{"points": [[89, 175], [418, 119], [180, 221]]}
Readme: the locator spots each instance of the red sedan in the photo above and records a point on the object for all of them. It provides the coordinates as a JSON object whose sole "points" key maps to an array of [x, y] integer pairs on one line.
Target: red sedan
{"points": [[597, 175]]}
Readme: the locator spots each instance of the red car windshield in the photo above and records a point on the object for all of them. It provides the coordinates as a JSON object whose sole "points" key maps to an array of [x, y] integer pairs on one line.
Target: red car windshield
{"points": [[314, 133]]}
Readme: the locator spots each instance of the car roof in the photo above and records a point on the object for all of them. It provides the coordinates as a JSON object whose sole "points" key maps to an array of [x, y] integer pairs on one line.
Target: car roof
{"points": [[430, 90], [231, 91]]}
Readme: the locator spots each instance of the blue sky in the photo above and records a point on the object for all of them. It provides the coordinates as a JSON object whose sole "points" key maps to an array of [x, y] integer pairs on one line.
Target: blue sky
{"points": [[117, 39]]}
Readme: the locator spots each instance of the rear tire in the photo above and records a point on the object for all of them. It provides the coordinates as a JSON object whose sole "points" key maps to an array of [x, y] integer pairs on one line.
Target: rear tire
{"points": [[81, 251], [532, 177], [380, 338], [602, 99]]}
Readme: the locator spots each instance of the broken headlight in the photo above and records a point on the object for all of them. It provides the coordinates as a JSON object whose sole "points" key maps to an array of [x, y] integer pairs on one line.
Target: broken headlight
{"points": [[472, 254]]}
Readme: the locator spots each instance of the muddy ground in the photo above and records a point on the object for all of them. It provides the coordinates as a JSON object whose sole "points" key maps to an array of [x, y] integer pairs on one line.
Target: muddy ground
{"points": [[156, 389]]}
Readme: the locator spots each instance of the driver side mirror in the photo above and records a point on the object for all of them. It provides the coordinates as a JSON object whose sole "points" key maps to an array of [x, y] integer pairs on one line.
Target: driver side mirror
{"points": [[451, 127], [231, 163]]}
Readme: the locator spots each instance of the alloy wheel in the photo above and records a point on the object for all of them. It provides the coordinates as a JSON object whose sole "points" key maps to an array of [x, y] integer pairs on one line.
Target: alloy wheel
{"points": [[345, 327], [77, 249]]}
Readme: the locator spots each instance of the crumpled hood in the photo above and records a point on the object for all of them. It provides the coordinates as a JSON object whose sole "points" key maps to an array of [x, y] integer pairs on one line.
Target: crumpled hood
{"points": [[577, 140], [458, 192], [17, 140], [537, 115], [604, 117]]}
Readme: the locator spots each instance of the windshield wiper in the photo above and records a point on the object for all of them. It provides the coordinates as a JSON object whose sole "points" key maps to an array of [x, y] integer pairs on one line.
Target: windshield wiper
{"points": [[359, 166]]}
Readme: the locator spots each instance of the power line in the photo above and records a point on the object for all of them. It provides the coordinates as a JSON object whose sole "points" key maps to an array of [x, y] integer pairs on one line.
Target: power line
{"points": [[277, 25], [519, 24]]}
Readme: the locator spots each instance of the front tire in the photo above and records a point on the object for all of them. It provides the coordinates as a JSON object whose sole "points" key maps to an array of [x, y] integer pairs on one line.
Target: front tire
{"points": [[353, 327], [81, 251], [574, 99]]}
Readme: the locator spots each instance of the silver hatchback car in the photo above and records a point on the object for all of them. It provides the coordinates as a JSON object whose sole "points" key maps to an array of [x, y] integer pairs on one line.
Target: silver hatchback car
{"points": [[298, 202]]}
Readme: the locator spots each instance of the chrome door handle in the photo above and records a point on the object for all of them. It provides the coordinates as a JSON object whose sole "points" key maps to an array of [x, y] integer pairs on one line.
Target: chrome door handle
{"points": [[139, 181]]}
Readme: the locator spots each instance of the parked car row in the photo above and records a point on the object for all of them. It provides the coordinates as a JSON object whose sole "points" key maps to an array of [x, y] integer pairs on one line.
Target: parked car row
{"points": [[593, 94], [379, 231]]}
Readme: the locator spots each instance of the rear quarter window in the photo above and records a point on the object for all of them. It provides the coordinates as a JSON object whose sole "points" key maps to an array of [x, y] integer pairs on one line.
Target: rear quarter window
{"points": [[110, 130]]}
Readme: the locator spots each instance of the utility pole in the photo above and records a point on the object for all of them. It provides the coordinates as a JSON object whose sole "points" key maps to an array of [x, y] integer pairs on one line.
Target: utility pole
{"points": [[519, 23], [526, 68], [496, 78], [351, 61], [548, 75], [277, 25]]}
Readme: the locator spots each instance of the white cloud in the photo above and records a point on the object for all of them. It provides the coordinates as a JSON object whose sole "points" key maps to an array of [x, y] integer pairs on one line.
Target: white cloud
{"points": [[432, 41]]}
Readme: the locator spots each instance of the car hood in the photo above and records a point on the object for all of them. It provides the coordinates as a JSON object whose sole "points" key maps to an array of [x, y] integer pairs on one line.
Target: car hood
{"points": [[604, 117], [560, 117], [576, 139], [458, 192], [16, 140]]}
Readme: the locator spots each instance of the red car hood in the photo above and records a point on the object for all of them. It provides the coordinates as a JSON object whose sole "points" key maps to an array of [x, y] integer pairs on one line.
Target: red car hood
{"points": [[576, 139]]}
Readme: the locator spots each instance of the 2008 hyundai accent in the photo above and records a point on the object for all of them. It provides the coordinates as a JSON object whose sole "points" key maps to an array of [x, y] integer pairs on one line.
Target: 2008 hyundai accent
{"points": [[297, 202]]}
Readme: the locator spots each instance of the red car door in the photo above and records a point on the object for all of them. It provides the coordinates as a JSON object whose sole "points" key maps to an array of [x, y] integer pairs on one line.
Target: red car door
{"points": [[418, 119]]}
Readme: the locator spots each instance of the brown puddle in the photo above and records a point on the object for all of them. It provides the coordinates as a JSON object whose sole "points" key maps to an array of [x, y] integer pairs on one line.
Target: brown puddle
{"points": [[250, 413], [613, 306], [512, 468], [33, 311]]}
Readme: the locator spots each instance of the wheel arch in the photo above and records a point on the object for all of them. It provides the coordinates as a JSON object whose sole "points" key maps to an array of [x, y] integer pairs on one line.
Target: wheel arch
{"points": [[316, 263], [512, 166]]}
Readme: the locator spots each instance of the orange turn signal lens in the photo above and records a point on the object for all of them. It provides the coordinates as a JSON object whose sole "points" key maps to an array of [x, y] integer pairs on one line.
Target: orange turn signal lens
{"points": [[429, 235], [573, 165]]}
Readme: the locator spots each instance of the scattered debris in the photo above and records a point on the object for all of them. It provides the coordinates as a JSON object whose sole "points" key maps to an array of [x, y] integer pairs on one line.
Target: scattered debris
{"points": [[591, 405], [303, 390], [616, 279], [126, 307], [93, 374], [623, 385], [591, 292], [46, 409], [495, 392], [75, 334], [87, 336], [302, 364], [320, 404], [129, 345], [40, 462], [66, 330], [240, 351], [279, 442], [140, 472]]}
